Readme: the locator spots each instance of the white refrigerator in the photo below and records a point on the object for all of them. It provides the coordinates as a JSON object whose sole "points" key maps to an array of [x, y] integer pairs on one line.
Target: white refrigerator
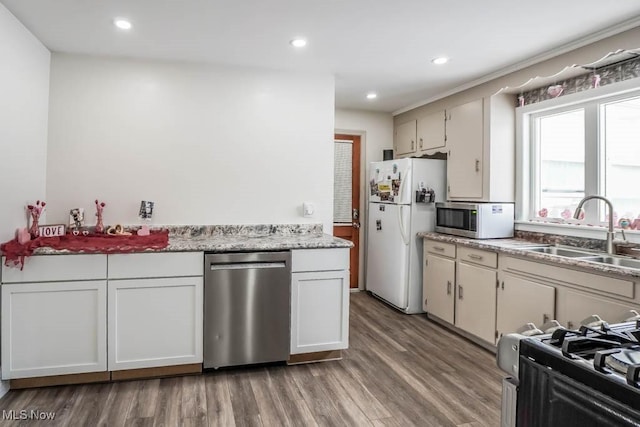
{"points": [[394, 252]]}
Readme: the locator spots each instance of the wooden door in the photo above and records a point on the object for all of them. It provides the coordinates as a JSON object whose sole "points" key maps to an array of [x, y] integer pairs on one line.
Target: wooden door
{"points": [[346, 218]]}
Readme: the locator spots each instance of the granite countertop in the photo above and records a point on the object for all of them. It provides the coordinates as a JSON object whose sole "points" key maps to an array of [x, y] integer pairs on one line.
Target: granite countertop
{"points": [[239, 238], [516, 247], [240, 243]]}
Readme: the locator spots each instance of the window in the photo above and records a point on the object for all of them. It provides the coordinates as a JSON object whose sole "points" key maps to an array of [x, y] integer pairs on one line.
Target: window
{"points": [[584, 147]]}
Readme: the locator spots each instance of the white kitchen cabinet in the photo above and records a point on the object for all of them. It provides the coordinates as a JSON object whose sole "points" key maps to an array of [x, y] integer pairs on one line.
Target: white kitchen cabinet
{"points": [[53, 328], [54, 316], [319, 300], [430, 132], [459, 287], [521, 301], [476, 301], [577, 306], [155, 322], [481, 150], [57, 268], [405, 139], [438, 282], [578, 293], [156, 264], [155, 314], [465, 145]]}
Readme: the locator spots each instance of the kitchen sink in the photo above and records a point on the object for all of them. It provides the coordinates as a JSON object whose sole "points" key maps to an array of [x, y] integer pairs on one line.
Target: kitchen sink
{"points": [[554, 250], [617, 261], [587, 256]]}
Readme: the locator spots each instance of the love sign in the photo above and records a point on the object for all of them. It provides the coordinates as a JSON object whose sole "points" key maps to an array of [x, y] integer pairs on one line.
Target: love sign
{"points": [[52, 230]]}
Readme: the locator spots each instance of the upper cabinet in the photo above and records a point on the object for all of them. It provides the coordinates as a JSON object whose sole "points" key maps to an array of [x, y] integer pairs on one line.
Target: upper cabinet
{"points": [[405, 139], [465, 151], [431, 132], [481, 150]]}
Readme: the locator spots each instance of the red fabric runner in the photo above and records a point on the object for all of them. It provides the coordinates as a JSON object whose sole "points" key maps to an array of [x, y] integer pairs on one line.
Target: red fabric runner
{"points": [[93, 243]]}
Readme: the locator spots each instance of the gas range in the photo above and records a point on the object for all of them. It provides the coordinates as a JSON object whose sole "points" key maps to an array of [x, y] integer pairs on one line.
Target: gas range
{"points": [[586, 377]]}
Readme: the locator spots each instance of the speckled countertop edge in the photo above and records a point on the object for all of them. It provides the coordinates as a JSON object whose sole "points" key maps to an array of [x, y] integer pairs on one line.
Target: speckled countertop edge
{"points": [[238, 238], [516, 247]]}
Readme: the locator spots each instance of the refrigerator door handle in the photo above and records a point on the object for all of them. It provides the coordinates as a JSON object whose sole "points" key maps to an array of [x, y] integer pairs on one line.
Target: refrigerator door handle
{"points": [[402, 181], [403, 233]]}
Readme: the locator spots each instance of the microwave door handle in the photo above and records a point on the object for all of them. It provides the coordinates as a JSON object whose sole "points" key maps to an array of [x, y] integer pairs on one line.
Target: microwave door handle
{"points": [[401, 223]]}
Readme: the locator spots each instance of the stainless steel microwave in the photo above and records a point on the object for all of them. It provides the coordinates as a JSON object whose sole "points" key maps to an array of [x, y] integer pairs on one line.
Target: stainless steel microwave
{"points": [[475, 220]]}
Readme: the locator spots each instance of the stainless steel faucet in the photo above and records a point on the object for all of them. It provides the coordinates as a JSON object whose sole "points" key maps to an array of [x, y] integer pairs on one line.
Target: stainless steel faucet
{"points": [[610, 234]]}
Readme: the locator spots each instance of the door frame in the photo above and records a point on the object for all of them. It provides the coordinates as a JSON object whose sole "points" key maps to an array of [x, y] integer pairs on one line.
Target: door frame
{"points": [[363, 202]]}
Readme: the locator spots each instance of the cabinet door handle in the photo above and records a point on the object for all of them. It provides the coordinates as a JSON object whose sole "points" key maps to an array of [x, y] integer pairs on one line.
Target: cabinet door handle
{"points": [[448, 287], [503, 285], [459, 292], [545, 318], [438, 248], [426, 262], [412, 143], [420, 142], [477, 165], [478, 257]]}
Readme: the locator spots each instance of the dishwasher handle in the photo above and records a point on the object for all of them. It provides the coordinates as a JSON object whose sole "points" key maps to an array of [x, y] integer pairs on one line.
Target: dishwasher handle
{"points": [[246, 265]]}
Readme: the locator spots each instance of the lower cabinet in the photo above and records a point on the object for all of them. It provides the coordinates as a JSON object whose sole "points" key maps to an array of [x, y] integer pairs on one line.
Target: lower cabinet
{"points": [[496, 295], [155, 322], [102, 316], [476, 301], [522, 301], [54, 328], [438, 286], [459, 287], [319, 300], [574, 307]]}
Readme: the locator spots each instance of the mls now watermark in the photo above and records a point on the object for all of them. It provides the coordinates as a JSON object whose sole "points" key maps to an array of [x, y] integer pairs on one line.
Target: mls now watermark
{"points": [[24, 414]]}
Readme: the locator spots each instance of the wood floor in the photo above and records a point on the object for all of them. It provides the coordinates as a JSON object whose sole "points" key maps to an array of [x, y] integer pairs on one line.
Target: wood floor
{"points": [[399, 370]]}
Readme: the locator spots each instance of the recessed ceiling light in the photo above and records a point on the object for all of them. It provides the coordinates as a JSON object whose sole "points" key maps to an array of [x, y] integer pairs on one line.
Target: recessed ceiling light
{"points": [[298, 42], [372, 95], [123, 24], [440, 60]]}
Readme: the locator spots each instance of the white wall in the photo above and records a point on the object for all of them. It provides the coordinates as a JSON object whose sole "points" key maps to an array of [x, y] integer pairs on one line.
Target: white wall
{"points": [[208, 144], [24, 97], [376, 131]]}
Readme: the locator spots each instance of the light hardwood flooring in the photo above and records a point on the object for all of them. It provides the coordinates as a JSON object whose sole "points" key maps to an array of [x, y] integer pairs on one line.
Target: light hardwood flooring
{"points": [[399, 370]]}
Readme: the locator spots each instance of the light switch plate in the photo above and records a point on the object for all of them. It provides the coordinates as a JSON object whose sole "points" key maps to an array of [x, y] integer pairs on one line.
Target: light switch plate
{"points": [[308, 209]]}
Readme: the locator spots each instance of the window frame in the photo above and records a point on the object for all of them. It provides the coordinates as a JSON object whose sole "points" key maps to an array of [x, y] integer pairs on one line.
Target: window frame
{"points": [[527, 161]]}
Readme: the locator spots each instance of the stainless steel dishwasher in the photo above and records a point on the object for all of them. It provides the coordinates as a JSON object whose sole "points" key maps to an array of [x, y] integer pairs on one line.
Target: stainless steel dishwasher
{"points": [[246, 308]]}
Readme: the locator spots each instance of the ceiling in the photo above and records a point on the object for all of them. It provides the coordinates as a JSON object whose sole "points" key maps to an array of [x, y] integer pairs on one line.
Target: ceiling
{"points": [[377, 46]]}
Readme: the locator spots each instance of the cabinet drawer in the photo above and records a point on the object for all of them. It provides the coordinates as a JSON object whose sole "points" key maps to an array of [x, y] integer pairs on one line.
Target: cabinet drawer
{"points": [[57, 268], [440, 248], [164, 264], [475, 256], [320, 259]]}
